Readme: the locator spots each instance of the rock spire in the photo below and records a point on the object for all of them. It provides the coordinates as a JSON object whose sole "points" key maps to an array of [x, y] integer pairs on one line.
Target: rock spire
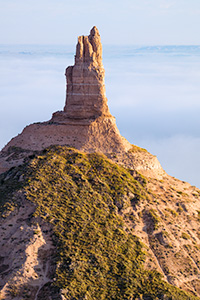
{"points": [[85, 80], [85, 123]]}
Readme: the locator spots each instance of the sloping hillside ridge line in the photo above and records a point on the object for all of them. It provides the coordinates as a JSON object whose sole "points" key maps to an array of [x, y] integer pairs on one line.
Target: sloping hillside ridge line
{"points": [[72, 225]]}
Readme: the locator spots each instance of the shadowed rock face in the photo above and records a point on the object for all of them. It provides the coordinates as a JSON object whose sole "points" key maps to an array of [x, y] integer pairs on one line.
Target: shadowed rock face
{"points": [[85, 80]]}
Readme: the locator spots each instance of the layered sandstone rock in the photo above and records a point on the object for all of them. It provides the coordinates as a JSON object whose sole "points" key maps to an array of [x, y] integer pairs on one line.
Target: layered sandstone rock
{"points": [[85, 123], [85, 80]]}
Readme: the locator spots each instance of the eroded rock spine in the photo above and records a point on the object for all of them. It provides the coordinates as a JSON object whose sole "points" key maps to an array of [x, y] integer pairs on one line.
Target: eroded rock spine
{"points": [[86, 97]]}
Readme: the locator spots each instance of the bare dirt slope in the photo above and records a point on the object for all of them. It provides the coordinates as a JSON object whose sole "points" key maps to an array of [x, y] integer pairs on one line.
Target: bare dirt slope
{"points": [[26, 259], [169, 225], [167, 222]]}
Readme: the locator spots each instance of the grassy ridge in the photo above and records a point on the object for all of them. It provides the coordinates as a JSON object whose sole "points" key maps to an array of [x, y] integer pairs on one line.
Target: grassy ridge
{"points": [[81, 195]]}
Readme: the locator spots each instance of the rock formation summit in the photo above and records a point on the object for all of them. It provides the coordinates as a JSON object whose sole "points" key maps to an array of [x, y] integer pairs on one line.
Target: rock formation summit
{"points": [[85, 80], [85, 123]]}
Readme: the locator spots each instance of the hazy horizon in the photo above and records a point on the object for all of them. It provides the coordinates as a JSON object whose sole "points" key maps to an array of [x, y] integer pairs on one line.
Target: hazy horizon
{"points": [[152, 91]]}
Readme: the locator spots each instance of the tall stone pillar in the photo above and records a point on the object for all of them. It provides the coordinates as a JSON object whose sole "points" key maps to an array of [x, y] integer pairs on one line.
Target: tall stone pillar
{"points": [[85, 80]]}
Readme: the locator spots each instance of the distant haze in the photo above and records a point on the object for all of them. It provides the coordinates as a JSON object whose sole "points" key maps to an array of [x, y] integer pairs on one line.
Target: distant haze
{"points": [[152, 91]]}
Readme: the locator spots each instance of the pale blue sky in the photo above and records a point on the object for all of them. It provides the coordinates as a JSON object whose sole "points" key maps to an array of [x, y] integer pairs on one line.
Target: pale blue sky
{"points": [[120, 22]]}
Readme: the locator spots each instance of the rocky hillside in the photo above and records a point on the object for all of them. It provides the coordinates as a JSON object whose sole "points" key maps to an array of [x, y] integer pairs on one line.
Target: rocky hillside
{"points": [[78, 226], [87, 215]]}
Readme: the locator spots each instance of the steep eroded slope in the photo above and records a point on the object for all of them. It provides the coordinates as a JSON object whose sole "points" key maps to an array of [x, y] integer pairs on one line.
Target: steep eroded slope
{"points": [[84, 207]]}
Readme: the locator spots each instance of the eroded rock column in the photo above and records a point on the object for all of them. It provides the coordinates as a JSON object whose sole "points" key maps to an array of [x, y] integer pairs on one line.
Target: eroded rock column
{"points": [[85, 80]]}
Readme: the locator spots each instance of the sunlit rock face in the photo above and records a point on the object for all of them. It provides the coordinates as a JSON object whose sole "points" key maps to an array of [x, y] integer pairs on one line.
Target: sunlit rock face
{"points": [[85, 80], [85, 123]]}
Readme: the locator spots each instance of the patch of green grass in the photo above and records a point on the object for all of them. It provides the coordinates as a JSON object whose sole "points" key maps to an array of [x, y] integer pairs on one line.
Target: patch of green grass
{"points": [[172, 211], [154, 218], [135, 148], [180, 208], [9, 183], [198, 215], [185, 236], [81, 195]]}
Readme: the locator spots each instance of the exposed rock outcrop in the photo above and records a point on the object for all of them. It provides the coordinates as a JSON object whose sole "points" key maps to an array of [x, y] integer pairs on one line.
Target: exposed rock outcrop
{"points": [[85, 80], [85, 123]]}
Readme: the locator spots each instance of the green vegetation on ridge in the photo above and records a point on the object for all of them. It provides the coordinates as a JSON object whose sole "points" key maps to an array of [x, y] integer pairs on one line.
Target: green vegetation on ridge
{"points": [[81, 195]]}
